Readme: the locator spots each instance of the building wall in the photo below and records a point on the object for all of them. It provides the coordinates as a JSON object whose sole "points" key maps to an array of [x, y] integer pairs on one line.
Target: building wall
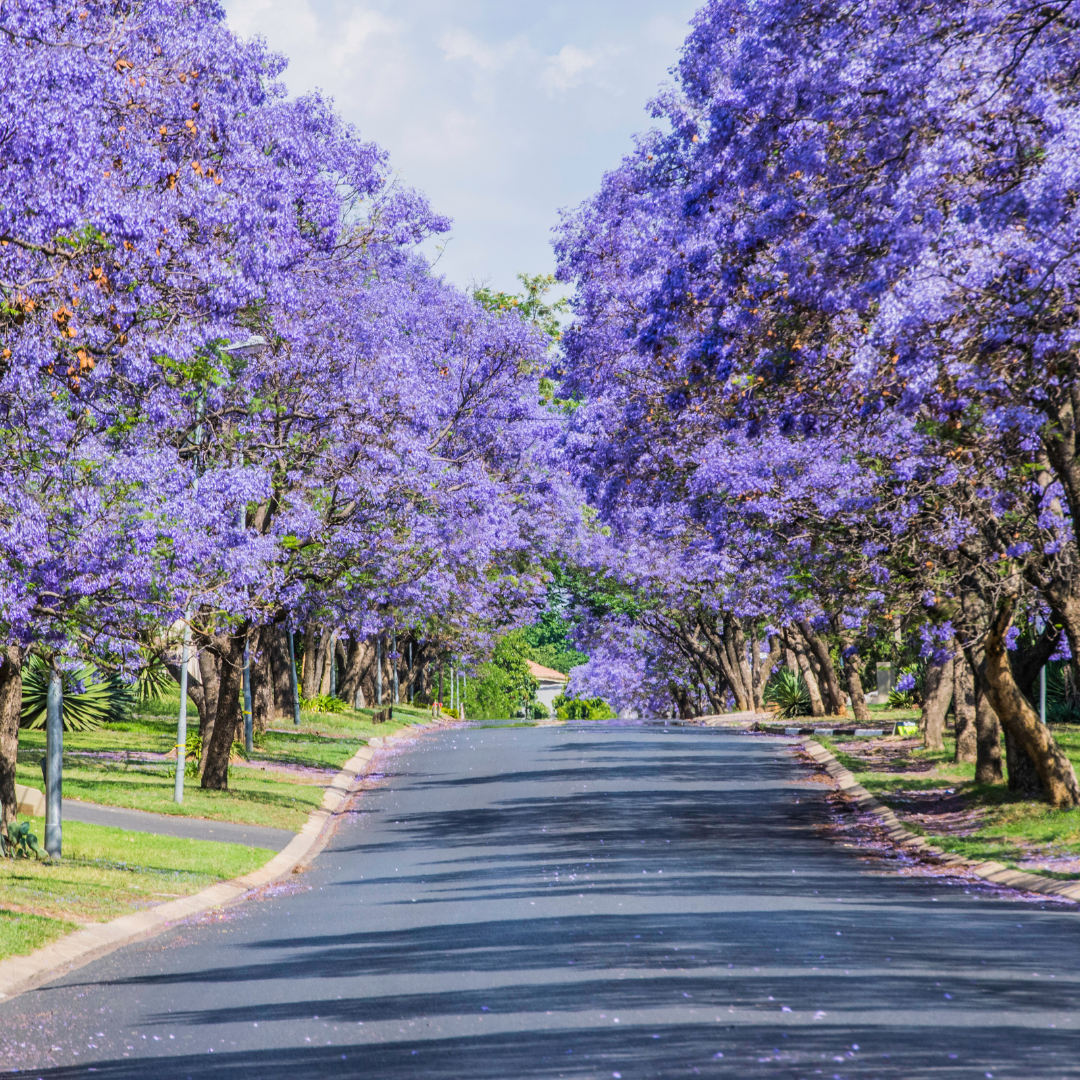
{"points": [[547, 692]]}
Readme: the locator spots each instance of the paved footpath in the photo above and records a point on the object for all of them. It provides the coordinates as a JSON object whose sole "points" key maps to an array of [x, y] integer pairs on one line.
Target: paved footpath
{"points": [[584, 902], [224, 832]]}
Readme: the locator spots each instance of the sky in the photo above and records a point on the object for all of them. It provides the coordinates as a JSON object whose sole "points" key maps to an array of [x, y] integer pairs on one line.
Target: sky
{"points": [[501, 112]]}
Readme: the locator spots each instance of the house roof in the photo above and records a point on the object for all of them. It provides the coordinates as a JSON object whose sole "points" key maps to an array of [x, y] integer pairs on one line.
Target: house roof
{"points": [[546, 674]]}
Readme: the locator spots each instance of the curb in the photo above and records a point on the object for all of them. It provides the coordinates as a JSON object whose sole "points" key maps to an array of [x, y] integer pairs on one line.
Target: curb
{"points": [[993, 872], [21, 973]]}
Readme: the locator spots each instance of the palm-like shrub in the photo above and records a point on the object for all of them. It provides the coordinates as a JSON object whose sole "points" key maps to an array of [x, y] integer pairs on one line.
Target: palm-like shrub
{"points": [[787, 690], [153, 681], [90, 699]]}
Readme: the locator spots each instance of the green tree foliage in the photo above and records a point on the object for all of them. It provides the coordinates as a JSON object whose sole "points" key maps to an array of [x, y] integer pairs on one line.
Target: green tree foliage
{"points": [[504, 685], [549, 643], [532, 304]]}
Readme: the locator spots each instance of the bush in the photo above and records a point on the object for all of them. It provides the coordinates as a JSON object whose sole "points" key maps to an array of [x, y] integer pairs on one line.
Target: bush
{"points": [[20, 842], [539, 711], [153, 681], [582, 708], [323, 703], [89, 699], [787, 689]]}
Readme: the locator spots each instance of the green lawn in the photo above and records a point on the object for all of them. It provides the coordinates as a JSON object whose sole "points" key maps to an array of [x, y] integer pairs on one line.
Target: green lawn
{"points": [[106, 872], [981, 821], [21, 933]]}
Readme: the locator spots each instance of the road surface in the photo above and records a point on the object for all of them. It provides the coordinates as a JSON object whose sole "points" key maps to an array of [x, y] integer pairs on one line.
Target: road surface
{"points": [[587, 902]]}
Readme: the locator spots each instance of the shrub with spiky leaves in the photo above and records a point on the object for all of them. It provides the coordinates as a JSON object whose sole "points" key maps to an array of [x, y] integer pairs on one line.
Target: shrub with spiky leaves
{"points": [[787, 689], [90, 700]]}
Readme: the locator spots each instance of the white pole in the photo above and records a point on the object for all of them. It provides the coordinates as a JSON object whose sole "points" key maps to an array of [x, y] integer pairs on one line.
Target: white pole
{"points": [[1042, 693], [181, 726], [54, 764]]}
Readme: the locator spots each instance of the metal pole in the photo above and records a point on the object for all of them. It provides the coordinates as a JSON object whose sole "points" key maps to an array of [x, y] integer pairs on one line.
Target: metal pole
{"points": [[249, 733], [1042, 694], [411, 688], [397, 699], [54, 757], [378, 671], [181, 725], [292, 679], [333, 663], [464, 693]]}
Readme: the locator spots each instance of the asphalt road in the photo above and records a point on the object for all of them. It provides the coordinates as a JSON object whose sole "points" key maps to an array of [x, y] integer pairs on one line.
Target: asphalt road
{"points": [[585, 902]]}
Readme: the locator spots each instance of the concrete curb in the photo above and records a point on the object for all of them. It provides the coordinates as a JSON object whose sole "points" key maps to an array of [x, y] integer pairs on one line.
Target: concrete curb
{"points": [[990, 871], [21, 973]]}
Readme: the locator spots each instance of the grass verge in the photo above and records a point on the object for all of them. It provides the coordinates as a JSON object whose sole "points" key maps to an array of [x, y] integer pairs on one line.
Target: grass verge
{"points": [[938, 797], [106, 872]]}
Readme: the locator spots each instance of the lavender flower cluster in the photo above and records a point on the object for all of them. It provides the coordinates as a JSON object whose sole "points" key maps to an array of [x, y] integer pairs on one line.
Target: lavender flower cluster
{"points": [[231, 391], [826, 345]]}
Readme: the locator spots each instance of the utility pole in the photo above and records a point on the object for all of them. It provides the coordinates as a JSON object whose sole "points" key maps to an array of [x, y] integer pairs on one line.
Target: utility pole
{"points": [[249, 733], [54, 764], [181, 726]]}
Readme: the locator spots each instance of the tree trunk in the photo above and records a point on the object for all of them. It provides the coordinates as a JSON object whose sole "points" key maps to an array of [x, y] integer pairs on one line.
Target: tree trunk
{"points": [[1020, 770], [354, 667], [309, 674], [817, 706], [230, 717], [1020, 719], [987, 739], [326, 661], [820, 649], [263, 710], [763, 667], [742, 659], [210, 681], [939, 693], [274, 641], [11, 661], [853, 678], [964, 703]]}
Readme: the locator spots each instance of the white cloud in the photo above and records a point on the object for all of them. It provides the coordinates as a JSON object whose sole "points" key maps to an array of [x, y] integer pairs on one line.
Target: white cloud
{"points": [[571, 67], [460, 45]]}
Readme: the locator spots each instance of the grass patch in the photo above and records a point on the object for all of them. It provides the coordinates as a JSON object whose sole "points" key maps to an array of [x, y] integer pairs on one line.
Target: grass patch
{"points": [[21, 933], [106, 872]]}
